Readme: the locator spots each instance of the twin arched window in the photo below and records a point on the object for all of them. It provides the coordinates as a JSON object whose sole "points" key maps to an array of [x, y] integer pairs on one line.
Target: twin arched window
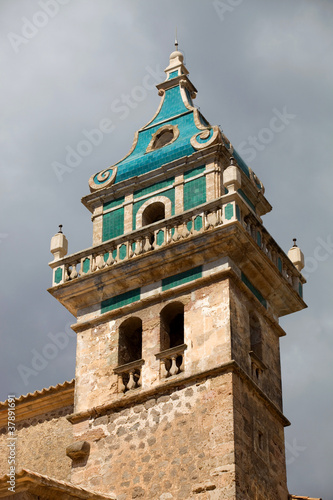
{"points": [[171, 333]]}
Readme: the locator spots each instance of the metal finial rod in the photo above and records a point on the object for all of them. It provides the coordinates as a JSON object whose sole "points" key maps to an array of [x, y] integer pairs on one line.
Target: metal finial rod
{"points": [[232, 160], [176, 41], [294, 240], [60, 228]]}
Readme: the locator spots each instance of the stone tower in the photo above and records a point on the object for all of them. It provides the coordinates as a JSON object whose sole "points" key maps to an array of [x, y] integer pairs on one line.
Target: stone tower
{"points": [[178, 381]]}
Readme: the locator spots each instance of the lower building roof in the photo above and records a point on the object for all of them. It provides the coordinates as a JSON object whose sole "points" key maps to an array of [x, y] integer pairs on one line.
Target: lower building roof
{"points": [[46, 488]]}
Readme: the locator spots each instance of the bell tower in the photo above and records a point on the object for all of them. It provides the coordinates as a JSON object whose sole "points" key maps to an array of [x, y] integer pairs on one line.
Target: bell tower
{"points": [[178, 381]]}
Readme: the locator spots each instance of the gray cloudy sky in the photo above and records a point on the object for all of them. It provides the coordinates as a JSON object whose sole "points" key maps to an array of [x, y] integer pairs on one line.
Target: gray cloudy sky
{"points": [[66, 68]]}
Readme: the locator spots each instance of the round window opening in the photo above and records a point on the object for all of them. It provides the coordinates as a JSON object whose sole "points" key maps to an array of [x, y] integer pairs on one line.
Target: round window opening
{"points": [[162, 137]]}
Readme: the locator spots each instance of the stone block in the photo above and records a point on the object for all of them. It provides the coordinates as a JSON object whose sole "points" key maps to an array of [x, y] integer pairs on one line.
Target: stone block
{"points": [[78, 450]]}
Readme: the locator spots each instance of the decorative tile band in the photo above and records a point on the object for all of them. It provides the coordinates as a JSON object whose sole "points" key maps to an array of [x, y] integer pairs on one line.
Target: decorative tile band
{"points": [[120, 300], [181, 278], [253, 289]]}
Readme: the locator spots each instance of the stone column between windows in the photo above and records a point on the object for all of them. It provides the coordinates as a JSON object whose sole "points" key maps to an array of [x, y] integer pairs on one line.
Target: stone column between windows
{"points": [[128, 213], [179, 194], [213, 187], [97, 219]]}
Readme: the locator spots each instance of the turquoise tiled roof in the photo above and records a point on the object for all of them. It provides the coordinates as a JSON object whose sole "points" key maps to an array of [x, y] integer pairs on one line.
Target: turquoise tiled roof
{"points": [[139, 162], [177, 110], [173, 112]]}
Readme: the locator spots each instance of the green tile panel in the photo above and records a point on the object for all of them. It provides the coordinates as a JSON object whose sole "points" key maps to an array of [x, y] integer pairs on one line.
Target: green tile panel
{"points": [[113, 224], [58, 275], [113, 203], [122, 252], [155, 187], [194, 171], [86, 265], [173, 74], [181, 278], [120, 300], [229, 211], [198, 223], [160, 238], [194, 193]]}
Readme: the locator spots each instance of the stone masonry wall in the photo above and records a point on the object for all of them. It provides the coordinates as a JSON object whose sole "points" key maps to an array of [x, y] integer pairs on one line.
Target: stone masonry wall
{"points": [[270, 378], [178, 446], [207, 336], [259, 447], [41, 444]]}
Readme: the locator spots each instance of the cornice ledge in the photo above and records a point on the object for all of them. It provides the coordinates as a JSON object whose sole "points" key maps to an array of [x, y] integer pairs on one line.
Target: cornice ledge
{"points": [[142, 395]]}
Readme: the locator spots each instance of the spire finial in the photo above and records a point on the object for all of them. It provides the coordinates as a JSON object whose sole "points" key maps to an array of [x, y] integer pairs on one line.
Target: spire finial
{"points": [[60, 228], [294, 240], [176, 41]]}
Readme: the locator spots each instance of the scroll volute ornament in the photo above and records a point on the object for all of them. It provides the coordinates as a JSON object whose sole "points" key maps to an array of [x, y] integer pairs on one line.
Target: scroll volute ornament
{"points": [[103, 179]]}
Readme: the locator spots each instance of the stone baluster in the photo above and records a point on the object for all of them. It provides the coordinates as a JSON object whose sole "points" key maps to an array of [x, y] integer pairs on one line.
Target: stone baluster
{"points": [[154, 244], [176, 236], [174, 368], [73, 273], [131, 383], [184, 232], [121, 385], [110, 260], [66, 273], [163, 371], [93, 266], [130, 252], [168, 237], [212, 219], [139, 381], [100, 261], [138, 247], [147, 245]]}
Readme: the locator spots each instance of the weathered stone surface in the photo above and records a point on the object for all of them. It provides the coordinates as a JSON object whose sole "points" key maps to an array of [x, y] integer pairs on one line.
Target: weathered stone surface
{"points": [[41, 447], [168, 454]]}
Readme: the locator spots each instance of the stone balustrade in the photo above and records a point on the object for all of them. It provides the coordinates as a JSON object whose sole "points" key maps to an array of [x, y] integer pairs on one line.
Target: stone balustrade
{"points": [[224, 210], [138, 242], [129, 375], [267, 244], [171, 361]]}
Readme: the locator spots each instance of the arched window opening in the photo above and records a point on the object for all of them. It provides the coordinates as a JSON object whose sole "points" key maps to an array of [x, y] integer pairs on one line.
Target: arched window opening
{"points": [[130, 341], [172, 326], [255, 335], [153, 213], [172, 340]]}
